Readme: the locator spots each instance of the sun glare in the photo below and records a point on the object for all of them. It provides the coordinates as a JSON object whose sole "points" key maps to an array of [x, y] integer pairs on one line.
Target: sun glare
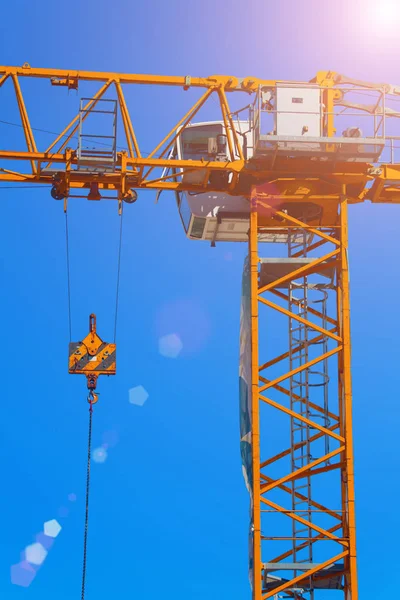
{"points": [[384, 15]]}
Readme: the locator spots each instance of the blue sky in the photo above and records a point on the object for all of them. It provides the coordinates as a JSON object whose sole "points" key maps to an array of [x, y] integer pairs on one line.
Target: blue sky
{"points": [[169, 509]]}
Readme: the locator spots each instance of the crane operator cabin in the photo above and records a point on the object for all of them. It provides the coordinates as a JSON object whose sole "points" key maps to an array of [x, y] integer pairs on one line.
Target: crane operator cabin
{"points": [[285, 121]]}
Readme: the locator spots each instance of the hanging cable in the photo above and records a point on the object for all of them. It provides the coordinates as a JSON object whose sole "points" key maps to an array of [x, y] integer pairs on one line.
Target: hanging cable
{"points": [[19, 187], [10, 123], [68, 276], [54, 133], [118, 276], [85, 536], [92, 398]]}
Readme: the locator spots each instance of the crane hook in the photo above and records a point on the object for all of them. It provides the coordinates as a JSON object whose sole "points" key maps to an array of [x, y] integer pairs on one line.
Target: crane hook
{"points": [[92, 397]]}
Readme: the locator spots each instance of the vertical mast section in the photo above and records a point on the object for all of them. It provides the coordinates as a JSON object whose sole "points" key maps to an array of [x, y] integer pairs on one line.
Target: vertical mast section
{"points": [[346, 401], [255, 417], [303, 535]]}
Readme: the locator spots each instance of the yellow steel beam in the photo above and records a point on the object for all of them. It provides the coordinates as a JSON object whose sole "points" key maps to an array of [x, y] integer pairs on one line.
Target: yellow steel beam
{"points": [[299, 496], [315, 539], [129, 131], [228, 83], [284, 311], [331, 174], [325, 532], [255, 416], [182, 122], [134, 161], [321, 463], [300, 417], [29, 138], [285, 217], [303, 471], [305, 575], [286, 452], [280, 388], [307, 365], [346, 397], [300, 272], [89, 105], [310, 248], [310, 309], [4, 78], [284, 355]]}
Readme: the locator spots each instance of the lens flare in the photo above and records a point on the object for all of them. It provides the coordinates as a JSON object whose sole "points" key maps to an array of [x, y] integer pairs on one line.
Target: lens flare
{"points": [[138, 395], [45, 540], [35, 554], [170, 345], [22, 574], [100, 455], [52, 528], [384, 16], [110, 438], [182, 326]]}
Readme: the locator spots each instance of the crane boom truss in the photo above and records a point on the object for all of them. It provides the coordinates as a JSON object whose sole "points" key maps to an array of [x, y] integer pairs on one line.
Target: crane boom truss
{"points": [[58, 164]]}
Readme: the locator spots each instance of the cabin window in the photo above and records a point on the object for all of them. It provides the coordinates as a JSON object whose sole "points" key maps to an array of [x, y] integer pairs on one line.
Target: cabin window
{"points": [[194, 141], [198, 227], [184, 210]]}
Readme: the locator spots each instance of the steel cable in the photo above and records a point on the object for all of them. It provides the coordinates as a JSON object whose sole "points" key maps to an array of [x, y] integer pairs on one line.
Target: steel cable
{"points": [[85, 536], [118, 276], [68, 276]]}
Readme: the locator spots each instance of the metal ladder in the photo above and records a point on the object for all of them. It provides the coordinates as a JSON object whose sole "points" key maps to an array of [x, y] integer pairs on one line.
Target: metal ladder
{"points": [[306, 383], [100, 115]]}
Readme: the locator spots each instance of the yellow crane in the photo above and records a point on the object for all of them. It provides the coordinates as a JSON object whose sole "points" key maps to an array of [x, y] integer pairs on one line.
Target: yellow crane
{"points": [[278, 173]]}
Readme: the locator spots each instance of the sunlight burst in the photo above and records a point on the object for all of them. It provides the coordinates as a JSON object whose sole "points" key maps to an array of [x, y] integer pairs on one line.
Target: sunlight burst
{"points": [[383, 15]]}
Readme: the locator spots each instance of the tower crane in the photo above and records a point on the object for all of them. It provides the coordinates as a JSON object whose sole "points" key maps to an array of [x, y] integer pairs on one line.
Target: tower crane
{"points": [[277, 174]]}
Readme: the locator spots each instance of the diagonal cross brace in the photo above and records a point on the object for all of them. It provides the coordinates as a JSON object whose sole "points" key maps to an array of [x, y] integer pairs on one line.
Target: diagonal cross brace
{"points": [[311, 363]]}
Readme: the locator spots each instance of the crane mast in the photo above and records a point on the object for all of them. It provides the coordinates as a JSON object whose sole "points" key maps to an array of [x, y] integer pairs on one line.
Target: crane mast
{"points": [[283, 177], [288, 484]]}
